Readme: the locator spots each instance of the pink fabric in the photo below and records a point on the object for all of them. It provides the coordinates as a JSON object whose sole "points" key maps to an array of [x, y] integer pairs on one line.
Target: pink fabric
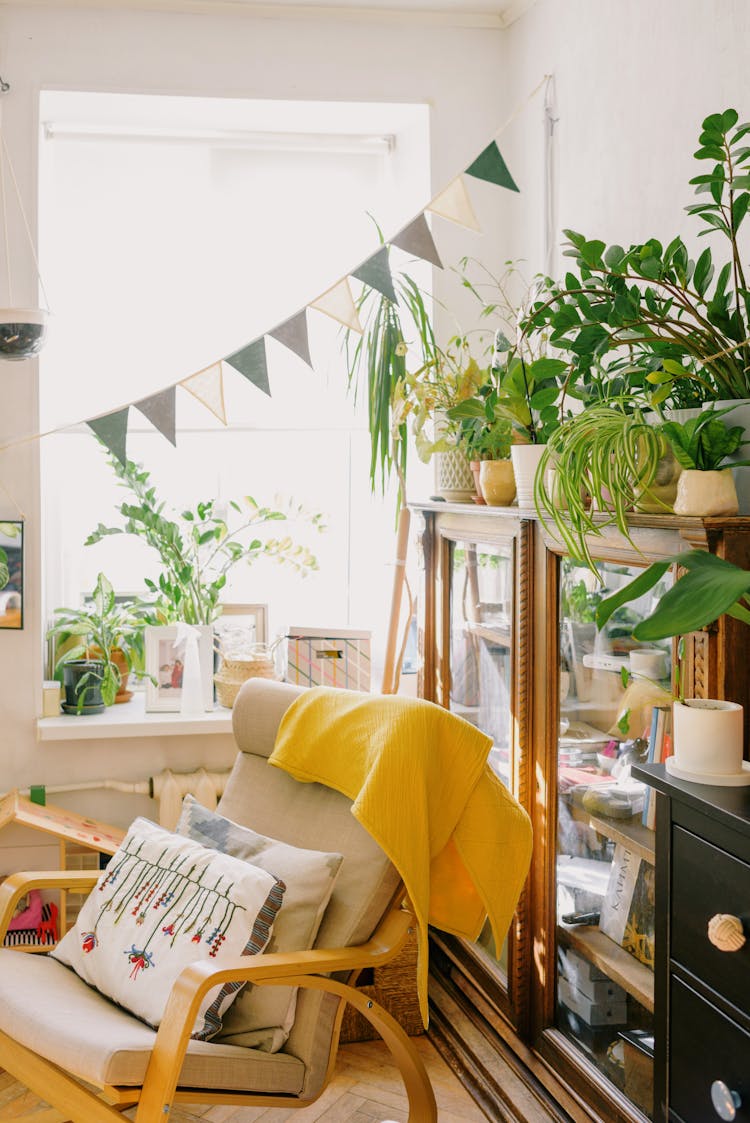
{"points": [[31, 917]]}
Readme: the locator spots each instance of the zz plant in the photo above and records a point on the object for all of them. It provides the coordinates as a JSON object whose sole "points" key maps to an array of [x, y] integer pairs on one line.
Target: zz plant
{"points": [[650, 314], [198, 548]]}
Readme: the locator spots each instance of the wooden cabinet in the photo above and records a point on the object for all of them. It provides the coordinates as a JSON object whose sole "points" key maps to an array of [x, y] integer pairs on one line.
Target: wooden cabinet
{"points": [[703, 992], [562, 1017]]}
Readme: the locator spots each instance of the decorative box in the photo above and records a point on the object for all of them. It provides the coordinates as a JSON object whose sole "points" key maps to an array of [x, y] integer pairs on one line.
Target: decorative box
{"points": [[329, 657]]}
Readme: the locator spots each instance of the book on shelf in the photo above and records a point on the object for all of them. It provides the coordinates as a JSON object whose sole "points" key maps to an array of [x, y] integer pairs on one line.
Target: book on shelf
{"points": [[627, 911], [659, 748]]}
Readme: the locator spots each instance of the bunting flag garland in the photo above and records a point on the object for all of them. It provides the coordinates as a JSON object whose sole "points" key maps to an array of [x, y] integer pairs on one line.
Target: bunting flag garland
{"points": [[417, 238], [454, 203], [293, 334], [112, 431], [338, 303], [376, 272], [207, 386], [159, 409], [490, 166], [251, 362]]}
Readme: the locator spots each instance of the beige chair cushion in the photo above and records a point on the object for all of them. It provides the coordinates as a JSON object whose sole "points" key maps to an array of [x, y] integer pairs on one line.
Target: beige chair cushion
{"points": [[268, 800], [45, 1006]]}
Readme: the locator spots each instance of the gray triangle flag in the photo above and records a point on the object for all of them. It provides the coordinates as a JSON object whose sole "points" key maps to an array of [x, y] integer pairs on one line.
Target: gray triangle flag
{"points": [[293, 334], [160, 411], [112, 431], [251, 362], [490, 166], [417, 238], [376, 272]]}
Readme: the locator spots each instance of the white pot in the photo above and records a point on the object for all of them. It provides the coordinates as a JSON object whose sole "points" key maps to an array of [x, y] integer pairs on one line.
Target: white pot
{"points": [[708, 743], [453, 477], [740, 415], [525, 463], [706, 493]]}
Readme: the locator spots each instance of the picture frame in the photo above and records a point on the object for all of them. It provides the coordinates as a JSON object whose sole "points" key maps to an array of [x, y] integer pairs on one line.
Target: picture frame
{"points": [[236, 617], [11, 574], [164, 668]]}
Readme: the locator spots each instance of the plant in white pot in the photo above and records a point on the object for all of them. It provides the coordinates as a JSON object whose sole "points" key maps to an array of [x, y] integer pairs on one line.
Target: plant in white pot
{"points": [[703, 446], [708, 733]]}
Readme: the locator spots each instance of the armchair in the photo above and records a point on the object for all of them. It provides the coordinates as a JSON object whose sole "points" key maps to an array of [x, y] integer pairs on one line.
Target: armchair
{"points": [[91, 1059]]}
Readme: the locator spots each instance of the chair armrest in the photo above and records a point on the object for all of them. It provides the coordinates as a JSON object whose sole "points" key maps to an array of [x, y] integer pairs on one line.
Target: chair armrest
{"points": [[290, 967], [18, 884]]}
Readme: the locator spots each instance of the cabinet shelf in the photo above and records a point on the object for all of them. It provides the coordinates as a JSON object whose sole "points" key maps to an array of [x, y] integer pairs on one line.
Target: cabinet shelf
{"points": [[497, 634], [630, 832], [619, 965]]}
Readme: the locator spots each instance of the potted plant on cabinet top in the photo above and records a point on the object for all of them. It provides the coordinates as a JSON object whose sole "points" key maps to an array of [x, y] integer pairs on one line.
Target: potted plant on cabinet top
{"points": [[99, 645], [650, 318], [486, 436], [708, 733]]}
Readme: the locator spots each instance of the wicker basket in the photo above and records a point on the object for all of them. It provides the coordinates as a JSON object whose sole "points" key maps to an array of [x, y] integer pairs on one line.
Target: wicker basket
{"points": [[394, 987], [233, 672]]}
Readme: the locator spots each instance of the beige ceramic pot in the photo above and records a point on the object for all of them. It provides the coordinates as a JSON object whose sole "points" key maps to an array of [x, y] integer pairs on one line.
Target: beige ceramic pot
{"points": [[706, 493], [497, 482]]}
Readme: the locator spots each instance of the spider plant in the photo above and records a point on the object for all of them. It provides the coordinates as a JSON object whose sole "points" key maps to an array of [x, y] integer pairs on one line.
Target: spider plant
{"points": [[605, 459]]}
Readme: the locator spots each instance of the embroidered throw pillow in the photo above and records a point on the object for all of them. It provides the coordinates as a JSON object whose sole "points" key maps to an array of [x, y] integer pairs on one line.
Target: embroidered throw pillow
{"points": [[165, 901], [263, 1015]]}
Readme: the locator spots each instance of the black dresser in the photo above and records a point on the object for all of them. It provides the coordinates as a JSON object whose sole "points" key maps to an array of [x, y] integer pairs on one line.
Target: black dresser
{"points": [[702, 991]]}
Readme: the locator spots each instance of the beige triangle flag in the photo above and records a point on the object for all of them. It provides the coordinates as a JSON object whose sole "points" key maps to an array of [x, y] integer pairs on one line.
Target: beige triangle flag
{"points": [[454, 203], [338, 303], [207, 386]]}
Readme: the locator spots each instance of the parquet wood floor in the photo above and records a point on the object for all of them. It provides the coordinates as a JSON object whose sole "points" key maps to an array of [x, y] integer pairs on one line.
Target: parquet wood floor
{"points": [[366, 1088]]}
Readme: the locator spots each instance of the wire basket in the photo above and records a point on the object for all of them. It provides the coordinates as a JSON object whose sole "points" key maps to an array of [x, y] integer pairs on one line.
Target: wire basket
{"points": [[233, 672]]}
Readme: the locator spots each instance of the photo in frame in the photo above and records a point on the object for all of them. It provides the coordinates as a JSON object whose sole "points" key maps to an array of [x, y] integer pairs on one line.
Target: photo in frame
{"points": [[165, 664], [11, 574], [241, 625]]}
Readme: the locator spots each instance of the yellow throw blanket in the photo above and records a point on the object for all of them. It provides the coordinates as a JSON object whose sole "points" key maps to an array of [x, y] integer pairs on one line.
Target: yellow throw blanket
{"points": [[419, 784]]}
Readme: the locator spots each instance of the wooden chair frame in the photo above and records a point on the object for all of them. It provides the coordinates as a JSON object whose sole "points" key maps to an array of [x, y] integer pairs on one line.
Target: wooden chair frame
{"points": [[74, 1102]]}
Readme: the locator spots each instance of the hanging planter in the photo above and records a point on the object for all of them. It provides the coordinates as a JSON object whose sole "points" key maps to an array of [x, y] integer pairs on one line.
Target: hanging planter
{"points": [[22, 332]]}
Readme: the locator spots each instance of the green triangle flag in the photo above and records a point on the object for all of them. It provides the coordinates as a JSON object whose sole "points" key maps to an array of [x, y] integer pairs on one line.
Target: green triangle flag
{"points": [[112, 431], [376, 272], [251, 362], [489, 165], [160, 411]]}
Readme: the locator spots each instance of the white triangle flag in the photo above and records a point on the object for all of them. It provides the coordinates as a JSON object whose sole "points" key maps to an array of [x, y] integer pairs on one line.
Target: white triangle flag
{"points": [[454, 203], [338, 303], [207, 386]]}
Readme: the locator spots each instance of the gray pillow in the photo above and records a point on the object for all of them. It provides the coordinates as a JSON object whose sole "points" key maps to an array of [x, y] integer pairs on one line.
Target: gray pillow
{"points": [[262, 1015]]}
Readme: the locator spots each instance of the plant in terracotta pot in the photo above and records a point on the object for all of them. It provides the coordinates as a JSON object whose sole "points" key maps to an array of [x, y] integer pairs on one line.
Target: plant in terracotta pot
{"points": [[486, 437], [99, 645], [708, 733]]}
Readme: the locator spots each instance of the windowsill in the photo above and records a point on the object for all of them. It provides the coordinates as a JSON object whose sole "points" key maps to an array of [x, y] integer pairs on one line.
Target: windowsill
{"points": [[131, 720]]}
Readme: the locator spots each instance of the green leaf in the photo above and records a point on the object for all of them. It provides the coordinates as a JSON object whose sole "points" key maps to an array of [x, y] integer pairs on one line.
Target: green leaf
{"points": [[640, 585], [614, 257], [543, 398], [703, 272], [729, 119], [739, 209], [709, 152]]}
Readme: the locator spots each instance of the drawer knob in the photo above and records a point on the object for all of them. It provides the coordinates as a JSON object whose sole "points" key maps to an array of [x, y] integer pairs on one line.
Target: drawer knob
{"points": [[725, 1101], [726, 932]]}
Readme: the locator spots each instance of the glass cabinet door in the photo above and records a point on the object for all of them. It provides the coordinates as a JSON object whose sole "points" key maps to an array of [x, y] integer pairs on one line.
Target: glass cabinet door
{"points": [[480, 646], [615, 709]]}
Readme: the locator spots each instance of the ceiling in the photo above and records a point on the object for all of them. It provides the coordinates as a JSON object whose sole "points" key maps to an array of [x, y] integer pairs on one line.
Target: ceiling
{"points": [[495, 14]]}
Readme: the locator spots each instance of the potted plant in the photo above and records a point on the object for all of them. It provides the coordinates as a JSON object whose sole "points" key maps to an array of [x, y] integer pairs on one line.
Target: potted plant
{"points": [[605, 459], [99, 644], [703, 446], [486, 436], [708, 733], [198, 548]]}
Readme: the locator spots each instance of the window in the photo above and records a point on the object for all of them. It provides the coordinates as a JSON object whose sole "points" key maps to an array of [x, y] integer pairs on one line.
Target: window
{"points": [[172, 232]]}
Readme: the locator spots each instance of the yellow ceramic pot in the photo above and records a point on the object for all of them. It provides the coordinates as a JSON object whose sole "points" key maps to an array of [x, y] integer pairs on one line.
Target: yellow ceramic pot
{"points": [[497, 482]]}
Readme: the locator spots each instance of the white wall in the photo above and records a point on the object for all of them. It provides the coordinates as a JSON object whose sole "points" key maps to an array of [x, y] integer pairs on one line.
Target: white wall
{"points": [[634, 81], [459, 72]]}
